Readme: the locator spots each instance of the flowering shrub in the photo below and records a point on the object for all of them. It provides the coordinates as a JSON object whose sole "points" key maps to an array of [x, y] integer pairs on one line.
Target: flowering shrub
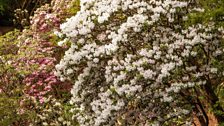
{"points": [[27, 63], [128, 62], [8, 75], [137, 63], [54, 112], [39, 53], [11, 86]]}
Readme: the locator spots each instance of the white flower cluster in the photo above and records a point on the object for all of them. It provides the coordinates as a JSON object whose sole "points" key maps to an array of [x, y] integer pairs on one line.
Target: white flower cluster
{"points": [[127, 54]]}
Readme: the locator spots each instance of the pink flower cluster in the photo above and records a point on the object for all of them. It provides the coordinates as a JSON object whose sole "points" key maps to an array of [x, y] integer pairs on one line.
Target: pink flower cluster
{"points": [[40, 56], [43, 81], [44, 21]]}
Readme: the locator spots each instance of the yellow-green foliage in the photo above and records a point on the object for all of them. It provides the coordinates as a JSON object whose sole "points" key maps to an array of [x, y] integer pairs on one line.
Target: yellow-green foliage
{"points": [[8, 51], [10, 113], [75, 7], [213, 11], [8, 43], [10, 80]]}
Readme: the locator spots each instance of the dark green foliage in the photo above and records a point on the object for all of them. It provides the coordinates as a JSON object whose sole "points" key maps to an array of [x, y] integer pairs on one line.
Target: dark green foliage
{"points": [[5, 16], [18, 11], [3, 6]]}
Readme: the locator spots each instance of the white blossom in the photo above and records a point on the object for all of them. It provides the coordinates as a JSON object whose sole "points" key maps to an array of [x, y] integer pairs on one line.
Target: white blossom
{"points": [[121, 56]]}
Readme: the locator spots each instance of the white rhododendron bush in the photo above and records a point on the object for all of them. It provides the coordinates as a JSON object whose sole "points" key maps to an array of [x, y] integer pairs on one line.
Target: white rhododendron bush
{"points": [[136, 62]]}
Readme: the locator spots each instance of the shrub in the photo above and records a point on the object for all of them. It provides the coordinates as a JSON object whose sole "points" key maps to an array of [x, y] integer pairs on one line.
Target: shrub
{"points": [[11, 87], [26, 71], [137, 63]]}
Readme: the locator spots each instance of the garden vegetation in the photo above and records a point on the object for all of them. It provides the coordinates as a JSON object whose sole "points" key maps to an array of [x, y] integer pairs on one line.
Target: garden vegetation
{"points": [[113, 62]]}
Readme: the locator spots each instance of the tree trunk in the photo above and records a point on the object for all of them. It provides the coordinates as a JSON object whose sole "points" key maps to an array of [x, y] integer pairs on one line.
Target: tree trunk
{"points": [[214, 101]]}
